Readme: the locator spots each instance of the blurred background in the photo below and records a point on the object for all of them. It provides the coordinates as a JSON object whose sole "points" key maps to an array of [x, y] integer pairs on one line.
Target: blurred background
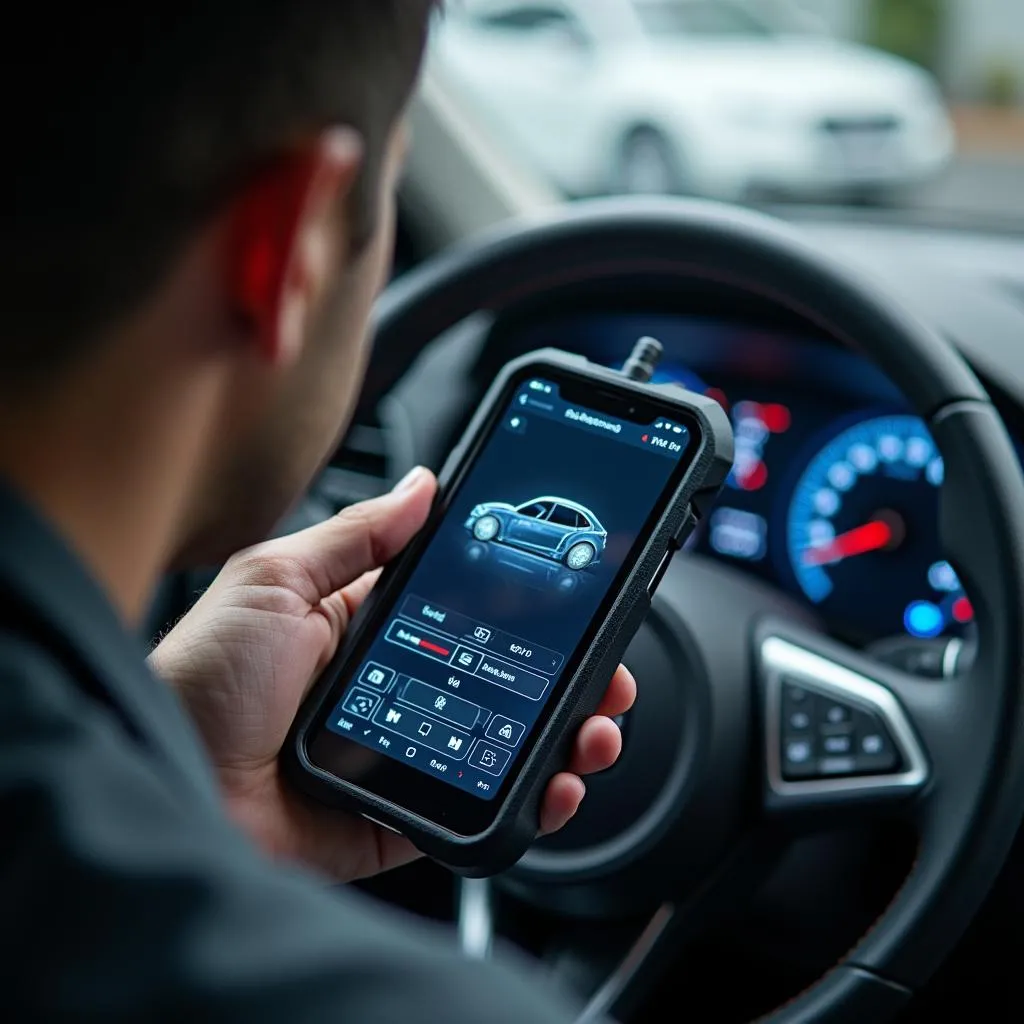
{"points": [[912, 106]]}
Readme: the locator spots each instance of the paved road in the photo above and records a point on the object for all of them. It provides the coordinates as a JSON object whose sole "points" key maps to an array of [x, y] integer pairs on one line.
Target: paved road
{"points": [[993, 185]]}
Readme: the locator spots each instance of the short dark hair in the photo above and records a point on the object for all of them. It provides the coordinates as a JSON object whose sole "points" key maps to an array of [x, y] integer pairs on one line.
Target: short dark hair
{"points": [[130, 127]]}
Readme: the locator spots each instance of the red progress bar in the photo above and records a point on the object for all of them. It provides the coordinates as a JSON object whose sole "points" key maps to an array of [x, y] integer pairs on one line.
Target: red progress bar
{"points": [[436, 648]]}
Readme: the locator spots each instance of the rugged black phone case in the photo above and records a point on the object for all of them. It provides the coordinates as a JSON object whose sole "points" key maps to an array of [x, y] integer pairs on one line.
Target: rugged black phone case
{"points": [[515, 827]]}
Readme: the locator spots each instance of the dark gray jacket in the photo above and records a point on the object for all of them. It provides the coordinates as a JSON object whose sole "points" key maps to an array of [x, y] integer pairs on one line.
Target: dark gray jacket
{"points": [[126, 893]]}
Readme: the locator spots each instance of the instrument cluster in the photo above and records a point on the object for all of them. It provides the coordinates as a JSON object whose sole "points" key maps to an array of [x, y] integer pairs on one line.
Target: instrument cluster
{"points": [[834, 495]]}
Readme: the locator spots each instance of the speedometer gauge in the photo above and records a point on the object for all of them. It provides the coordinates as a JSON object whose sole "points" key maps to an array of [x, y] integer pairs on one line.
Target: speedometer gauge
{"points": [[862, 532]]}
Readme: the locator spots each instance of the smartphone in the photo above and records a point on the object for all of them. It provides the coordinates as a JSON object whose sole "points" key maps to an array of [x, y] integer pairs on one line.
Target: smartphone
{"points": [[487, 643]]}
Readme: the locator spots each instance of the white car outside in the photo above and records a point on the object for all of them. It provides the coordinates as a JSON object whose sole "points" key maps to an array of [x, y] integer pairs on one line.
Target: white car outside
{"points": [[691, 96]]}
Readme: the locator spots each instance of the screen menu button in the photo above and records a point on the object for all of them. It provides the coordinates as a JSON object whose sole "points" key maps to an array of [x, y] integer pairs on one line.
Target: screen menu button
{"points": [[489, 759], [423, 732], [505, 730], [439, 703], [466, 659], [377, 676], [361, 703]]}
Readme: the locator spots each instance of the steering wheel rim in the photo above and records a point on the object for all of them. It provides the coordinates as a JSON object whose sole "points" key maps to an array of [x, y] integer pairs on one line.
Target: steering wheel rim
{"points": [[968, 804]]}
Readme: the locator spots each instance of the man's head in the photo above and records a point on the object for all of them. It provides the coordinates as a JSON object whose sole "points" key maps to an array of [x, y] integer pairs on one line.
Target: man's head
{"points": [[202, 192]]}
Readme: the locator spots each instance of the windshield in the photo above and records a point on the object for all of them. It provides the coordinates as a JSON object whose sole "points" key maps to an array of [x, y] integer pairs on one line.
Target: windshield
{"points": [[896, 106], [700, 18]]}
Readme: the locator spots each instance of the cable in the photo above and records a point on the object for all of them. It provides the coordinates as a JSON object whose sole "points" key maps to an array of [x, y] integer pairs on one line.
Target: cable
{"points": [[643, 360]]}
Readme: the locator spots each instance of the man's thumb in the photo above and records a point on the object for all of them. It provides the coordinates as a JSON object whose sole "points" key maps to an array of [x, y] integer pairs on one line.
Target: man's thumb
{"points": [[364, 536]]}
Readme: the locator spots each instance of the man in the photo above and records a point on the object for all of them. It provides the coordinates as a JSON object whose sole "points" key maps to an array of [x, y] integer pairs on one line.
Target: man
{"points": [[197, 216]]}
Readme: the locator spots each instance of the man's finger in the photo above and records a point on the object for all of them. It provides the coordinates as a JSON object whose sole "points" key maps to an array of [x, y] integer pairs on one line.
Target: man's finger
{"points": [[339, 608], [562, 800], [356, 593], [620, 695], [598, 745], [361, 538]]}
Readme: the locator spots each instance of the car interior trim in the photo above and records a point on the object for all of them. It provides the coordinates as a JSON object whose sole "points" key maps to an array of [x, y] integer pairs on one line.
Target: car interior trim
{"points": [[602, 1004], [951, 657]]}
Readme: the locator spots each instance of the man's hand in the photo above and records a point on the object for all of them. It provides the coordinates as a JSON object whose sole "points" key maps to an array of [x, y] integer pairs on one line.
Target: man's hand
{"points": [[245, 656]]}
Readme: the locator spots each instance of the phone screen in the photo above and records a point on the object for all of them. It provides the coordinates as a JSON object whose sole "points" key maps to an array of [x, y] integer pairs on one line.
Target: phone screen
{"points": [[485, 628]]}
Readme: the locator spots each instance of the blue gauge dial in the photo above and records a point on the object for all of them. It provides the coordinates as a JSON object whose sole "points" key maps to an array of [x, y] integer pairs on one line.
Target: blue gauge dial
{"points": [[862, 532]]}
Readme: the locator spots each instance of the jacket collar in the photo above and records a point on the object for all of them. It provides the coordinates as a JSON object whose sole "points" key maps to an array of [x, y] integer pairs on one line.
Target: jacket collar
{"points": [[49, 586]]}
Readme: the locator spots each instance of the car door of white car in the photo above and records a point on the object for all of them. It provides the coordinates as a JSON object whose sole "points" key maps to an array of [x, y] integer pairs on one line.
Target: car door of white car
{"points": [[525, 67]]}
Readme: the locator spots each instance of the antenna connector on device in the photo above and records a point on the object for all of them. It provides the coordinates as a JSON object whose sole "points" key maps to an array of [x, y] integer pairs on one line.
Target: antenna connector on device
{"points": [[643, 360]]}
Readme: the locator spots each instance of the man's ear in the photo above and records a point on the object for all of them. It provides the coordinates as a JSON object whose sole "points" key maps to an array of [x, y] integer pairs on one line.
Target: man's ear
{"points": [[286, 239]]}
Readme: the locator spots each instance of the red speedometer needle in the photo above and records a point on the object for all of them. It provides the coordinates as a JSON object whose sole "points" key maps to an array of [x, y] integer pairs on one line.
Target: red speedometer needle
{"points": [[870, 537]]}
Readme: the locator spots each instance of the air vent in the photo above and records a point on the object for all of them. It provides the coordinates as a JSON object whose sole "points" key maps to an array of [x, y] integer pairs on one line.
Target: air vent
{"points": [[360, 467]]}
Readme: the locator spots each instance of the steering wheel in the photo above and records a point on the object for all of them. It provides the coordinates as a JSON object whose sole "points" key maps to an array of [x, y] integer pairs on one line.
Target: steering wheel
{"points": [[724, 664]]}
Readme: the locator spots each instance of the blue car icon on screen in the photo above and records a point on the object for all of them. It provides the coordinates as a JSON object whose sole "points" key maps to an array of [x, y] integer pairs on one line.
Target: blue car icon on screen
{"points": [[554, 528]]}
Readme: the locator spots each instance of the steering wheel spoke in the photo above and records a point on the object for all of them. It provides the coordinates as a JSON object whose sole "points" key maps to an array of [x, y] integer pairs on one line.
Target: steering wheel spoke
{"points": [[835, 735]]}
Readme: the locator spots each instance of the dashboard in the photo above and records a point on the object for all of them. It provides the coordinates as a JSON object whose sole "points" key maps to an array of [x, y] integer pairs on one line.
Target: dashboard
{"points": [[834, 498], [834, 494], [827, 452]]}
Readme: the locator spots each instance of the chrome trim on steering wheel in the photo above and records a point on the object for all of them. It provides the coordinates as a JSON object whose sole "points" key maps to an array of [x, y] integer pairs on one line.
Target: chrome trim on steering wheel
{"points": [[603, 1001], [785, 661], [951, 657], [476, 918]]}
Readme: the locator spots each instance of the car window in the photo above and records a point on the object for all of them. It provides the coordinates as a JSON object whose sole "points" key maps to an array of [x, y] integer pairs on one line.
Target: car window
{"points": [[907, 109], [698, 18], [562, 515], [537, 510]]}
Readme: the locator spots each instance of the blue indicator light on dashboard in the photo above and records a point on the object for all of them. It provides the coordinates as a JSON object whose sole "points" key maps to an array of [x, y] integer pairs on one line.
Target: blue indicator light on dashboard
{"points": [[924, 619]]}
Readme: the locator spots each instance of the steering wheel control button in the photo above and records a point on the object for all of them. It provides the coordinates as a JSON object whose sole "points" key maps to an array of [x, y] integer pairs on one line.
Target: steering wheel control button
{"points": [[798, 759], [798, 752], [831, 730], [837, 744], [874, 749], [489, 759], [505, 730], [846, 740], [836, 714]]}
